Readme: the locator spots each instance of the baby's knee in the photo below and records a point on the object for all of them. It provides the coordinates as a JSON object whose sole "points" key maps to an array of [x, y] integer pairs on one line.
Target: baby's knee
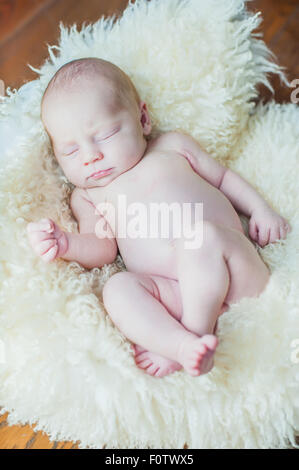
{"points": [[119, 289], [114, 287]]}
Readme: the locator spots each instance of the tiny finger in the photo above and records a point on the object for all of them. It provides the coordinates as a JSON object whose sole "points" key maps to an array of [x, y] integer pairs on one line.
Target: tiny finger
{"points": [[282, 231], [288, 227], [253, 231], [50, 254], [38, 227], [35, 238], [45, 245], [50, 225], [275, 235], [263, 237]]}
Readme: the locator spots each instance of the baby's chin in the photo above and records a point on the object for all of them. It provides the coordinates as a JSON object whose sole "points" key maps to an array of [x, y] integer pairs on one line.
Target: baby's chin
{"points": [[90, 183], [100, 183], [94, 184]]}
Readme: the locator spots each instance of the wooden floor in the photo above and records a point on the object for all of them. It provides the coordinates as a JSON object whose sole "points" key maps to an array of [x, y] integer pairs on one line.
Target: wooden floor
{"points": [[26, 26]]}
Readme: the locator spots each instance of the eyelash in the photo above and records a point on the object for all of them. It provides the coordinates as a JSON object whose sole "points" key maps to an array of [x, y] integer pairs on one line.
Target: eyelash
{"points": [[99, 140], [71, 153], [106, 138]]}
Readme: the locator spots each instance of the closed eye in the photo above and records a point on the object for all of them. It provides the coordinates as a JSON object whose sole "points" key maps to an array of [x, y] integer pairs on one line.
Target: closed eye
{"points": [[71, 152], [99, 139], [74, 150]]}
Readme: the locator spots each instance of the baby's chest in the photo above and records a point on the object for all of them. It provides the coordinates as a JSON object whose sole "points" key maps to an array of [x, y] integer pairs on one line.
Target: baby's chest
{"points": [[140, 197], [164, 177]]}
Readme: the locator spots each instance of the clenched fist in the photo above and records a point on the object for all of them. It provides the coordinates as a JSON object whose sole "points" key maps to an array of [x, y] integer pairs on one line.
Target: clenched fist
{"points": [[266, 226], [47, 239]]}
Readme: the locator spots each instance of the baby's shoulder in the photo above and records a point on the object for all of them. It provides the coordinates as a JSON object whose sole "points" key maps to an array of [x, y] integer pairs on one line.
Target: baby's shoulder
{"points": [[79, 200], [77, 195], [172, 140]]}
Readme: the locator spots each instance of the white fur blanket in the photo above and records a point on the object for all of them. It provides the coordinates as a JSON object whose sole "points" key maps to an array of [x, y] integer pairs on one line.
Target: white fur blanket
{"points": [[63, 365]]}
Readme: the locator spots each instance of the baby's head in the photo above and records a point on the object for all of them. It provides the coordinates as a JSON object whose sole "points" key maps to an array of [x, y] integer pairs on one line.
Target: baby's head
{"points": [[95, 120]]}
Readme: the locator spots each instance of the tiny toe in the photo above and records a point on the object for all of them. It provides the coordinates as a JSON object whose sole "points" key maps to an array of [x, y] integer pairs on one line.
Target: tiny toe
{"points": [[201, 349], [211, 341], [144, 363], [139, 360], [194, 362], [152, 369], [141, 356], [201, 356], [159, 373]]}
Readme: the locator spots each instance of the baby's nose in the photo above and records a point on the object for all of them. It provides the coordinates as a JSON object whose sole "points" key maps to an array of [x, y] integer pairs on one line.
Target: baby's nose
{"points": [[100, 156]]}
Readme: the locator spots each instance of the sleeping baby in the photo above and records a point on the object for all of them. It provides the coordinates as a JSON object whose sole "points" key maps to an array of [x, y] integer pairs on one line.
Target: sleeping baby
{"points": [[168, 301]]}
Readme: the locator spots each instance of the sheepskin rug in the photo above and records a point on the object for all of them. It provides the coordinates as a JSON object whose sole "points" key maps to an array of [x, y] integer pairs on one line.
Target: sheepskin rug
{"points": [[64, 366]]}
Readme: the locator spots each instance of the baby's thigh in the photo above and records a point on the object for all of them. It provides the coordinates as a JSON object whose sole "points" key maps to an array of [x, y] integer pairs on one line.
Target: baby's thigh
{"points": [[167, 291], [249, 274], [126, 284]]}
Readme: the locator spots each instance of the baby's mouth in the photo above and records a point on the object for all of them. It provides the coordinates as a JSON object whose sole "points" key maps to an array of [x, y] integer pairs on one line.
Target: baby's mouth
{"points": [[100, 174]]}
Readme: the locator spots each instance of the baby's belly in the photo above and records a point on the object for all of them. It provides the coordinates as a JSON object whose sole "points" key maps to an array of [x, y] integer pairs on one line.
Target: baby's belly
{"points": [[148, 256], [167, 180], [156, 254]]}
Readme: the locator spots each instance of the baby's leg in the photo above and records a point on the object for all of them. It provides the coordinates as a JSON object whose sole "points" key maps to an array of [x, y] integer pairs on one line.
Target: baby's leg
{"points": [[167, 291], [130, 301], [223, 270], [204, 281]]}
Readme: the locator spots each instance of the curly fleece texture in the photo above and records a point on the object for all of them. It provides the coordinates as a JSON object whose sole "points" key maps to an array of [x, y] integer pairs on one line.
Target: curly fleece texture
{"points": [[64, 366]]}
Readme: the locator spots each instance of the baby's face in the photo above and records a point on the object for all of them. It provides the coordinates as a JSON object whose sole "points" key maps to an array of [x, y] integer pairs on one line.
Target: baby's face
{"points": [[90, 133]]}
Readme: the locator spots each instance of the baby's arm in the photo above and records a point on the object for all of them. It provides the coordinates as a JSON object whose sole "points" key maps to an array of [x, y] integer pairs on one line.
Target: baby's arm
{"points": [[265, 224], [50, 242]]}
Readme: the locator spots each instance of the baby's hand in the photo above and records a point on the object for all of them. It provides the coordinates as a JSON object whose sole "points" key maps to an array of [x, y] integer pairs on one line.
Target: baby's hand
{"points": [[266, 226], [47, 239]]}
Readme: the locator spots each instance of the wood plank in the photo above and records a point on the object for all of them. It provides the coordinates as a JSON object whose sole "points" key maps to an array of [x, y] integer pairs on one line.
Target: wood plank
{"points": [[283, 43], [281, 34], [28, 45], [14, 14], [24, 437], [275, 13]]}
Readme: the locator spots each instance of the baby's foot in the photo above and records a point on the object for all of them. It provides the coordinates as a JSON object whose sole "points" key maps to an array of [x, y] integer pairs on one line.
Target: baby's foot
{"points": [[153, 363], [196, 354]]}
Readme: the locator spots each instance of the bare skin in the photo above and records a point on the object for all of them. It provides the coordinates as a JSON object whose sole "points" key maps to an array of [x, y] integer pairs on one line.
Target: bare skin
{"points": [[168, 302]]}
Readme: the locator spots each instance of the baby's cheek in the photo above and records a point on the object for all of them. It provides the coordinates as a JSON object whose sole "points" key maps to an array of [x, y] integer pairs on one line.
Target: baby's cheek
{"points": [[133, 150], [73, 173]]}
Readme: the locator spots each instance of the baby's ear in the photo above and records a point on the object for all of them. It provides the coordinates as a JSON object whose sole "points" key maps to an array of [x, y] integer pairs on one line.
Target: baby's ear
{"points": [[145, 119]]}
